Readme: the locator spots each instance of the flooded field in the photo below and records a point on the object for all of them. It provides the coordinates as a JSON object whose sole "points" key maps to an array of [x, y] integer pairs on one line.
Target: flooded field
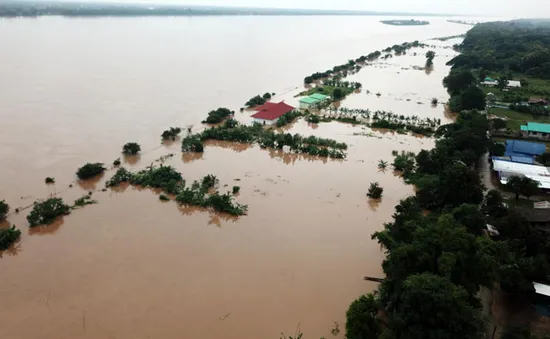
{"points": [[134, 267]]}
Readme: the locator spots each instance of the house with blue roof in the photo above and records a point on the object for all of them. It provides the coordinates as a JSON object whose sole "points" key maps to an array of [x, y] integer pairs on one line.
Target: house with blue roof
{"points": [[523, 149]]}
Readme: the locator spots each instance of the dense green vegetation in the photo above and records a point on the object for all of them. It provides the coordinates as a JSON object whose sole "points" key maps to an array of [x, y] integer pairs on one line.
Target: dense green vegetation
{"points": [[436, 262], [520, 46], [218, 115], [171, 134], [4, 209], [90, 170], [8, 236], [45, 212], [84, 201], [131, 148], [375, 191], [465, 94], [340, 71], [231, 130], [288, 118], [49, 180], [256, 101], [170, 181]]}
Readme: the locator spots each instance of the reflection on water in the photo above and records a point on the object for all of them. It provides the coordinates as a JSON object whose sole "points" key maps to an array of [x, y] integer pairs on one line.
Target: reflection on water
{"points": [[130, 267], [90, 184], [48, 229], [132, 159]]}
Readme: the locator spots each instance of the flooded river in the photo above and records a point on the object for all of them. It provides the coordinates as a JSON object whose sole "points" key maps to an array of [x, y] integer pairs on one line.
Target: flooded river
{"points": [[75, 90]]}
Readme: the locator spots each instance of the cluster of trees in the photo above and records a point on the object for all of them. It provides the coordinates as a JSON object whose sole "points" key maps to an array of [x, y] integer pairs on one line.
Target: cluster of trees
{"points": [[90, 170], [534, 110], [231, 130], [465, 94], [342, 84], [437, 261], [8, 236], [518, 46], [287, 118], [523, 186], [351, 65], [171, 134], [45, 212], [131, 148], [201, 193], [217, 116]]}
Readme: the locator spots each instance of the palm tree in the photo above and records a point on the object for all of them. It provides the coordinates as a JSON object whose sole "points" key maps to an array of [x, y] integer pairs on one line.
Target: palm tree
{"points": [[382, 165]]}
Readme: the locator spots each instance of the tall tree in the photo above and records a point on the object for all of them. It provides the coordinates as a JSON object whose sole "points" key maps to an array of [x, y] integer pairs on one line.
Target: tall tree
{"points": [[431, 307]]}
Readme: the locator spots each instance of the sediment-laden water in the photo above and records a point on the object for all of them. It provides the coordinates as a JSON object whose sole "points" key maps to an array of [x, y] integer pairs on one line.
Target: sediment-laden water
{"points": [[75, 90]]}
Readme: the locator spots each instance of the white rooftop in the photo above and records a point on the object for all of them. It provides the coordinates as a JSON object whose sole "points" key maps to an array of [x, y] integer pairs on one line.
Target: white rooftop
{"points": [[508, 169], [514, 83], [541, 289]]}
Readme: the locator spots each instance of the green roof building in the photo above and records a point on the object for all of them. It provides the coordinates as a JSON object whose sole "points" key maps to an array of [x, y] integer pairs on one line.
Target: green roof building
{"points": [[536, 130], [312, 100], [319, 96]]}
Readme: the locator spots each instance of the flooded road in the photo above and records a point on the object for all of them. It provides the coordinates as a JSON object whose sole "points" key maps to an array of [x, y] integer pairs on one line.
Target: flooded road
{"points": [[134, 267]]}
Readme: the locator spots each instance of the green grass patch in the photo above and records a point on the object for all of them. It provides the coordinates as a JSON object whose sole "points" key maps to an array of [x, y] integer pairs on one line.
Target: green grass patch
{"points": [[515, 119]]}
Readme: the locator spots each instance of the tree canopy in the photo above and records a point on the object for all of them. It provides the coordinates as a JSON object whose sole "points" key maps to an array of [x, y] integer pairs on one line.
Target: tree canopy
{"points": [[4, 209]]}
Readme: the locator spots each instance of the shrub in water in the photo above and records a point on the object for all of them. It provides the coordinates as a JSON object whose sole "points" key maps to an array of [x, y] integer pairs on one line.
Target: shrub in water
{"points": [[8, 236], [45, 212], [4, 209], [375, 191], [90, 170], [131, 148], [49, 180]]}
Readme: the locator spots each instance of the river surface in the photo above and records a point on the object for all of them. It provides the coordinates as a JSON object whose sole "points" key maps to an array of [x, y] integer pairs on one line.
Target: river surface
{"points": [[75, 90]]}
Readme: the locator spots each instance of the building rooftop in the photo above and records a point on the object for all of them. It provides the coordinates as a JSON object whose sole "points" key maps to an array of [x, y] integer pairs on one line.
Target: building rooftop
{"points": [[272, 111], [520, 148], [319, 96], [509, 168], [541, 289], [309, 100], [536, 127], [514, 83]]}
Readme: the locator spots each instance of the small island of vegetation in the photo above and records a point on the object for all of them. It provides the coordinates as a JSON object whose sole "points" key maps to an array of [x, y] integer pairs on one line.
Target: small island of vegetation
{"points": [[410, 22]]}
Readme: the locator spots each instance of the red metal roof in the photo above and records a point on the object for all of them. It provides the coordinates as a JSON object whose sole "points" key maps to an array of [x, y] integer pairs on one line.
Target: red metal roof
{"points": [[271, 111]]}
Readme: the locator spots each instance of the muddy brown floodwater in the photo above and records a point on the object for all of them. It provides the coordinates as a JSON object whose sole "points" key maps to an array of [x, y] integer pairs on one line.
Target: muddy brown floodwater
{"points": [[75, 90]]}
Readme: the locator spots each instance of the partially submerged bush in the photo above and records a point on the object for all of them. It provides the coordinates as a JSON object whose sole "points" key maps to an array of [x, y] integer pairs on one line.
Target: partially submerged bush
{"points": [[90, 170], [163, 197], [192, 143], [236, 189], [171, 134], [121, 175], [255, 101], [404, 162], [8, 236], [50, 180], [210, 181], [131, 148], [117, 162], [218, 115], [224, 203], [164, 177], [45, 212], [375, 191], [4, 209], [83, 201]]}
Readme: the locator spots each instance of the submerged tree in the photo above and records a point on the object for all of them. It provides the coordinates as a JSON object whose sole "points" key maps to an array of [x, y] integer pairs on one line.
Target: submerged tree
{"points": [[131, 148], [8, 236], [90, 170], [375, 191], [4, 209], [45, 212], [382, 165]]}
